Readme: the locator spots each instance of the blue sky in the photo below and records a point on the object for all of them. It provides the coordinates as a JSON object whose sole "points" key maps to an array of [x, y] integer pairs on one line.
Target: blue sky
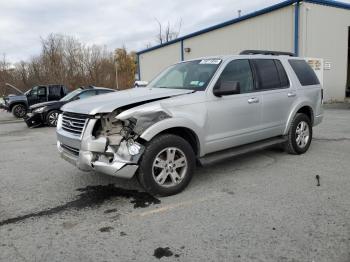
{"points": [[107, 22]]}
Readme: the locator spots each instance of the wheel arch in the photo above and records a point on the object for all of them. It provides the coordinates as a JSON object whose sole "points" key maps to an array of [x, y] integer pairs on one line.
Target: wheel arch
{"points": [[185, 130], [17, 103], [304, 108]]}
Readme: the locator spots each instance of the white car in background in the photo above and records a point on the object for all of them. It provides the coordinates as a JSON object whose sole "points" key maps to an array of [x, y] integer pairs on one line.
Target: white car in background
{"points": [[139, 83]]}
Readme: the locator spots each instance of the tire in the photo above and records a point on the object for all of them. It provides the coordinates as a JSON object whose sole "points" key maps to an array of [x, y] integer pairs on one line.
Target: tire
{"points": [[299, 135], [159, 160], [52, 117], [19, 110]]}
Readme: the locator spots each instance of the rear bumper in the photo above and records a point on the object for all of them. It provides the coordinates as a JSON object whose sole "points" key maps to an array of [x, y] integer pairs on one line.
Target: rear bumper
{"points": [[85, 153]]}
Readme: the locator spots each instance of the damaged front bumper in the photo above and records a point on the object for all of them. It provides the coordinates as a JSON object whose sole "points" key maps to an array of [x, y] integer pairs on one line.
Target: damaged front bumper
{"points": [[91, 154], [33, 119]]}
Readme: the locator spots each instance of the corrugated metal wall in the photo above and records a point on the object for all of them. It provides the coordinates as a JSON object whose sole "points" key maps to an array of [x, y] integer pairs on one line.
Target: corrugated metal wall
{"points": [[151, 63], [271, 31], [324, 34]]}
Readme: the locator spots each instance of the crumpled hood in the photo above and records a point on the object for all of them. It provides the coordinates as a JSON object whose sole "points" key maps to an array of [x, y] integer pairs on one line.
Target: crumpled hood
{"points": [[109, 102], [35, 106]]}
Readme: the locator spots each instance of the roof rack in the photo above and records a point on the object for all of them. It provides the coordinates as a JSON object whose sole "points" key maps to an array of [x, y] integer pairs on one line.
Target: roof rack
{"points": [[265, 52], [87, 87]]}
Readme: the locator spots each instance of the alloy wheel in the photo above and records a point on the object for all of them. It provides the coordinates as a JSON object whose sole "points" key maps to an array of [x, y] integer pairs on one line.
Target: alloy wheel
{"points": [[169, 167], [53, 117], [302, 134]]}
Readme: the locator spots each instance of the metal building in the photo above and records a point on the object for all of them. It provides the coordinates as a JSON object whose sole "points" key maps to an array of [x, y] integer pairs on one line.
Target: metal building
{"points": [[309, 28]]}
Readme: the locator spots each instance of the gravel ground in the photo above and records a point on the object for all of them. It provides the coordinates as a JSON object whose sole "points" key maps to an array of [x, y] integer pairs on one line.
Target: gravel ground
{"points": [[265, 206]]}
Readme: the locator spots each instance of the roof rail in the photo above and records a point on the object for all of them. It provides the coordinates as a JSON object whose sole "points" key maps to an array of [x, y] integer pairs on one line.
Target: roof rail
{"points": [[265, 52]]}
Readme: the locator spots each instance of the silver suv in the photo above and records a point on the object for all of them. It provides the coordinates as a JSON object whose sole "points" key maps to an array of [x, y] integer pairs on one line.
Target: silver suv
{"points": [[197, 111]]}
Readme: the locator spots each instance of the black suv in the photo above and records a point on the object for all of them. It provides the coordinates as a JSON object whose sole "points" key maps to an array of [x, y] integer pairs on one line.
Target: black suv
{"points": [[47, 113], [19, 104]]}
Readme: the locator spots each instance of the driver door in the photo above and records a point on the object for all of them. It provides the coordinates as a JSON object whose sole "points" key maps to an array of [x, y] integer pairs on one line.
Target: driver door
{"points": [[32, 97], [235, 119], [42, 94]]}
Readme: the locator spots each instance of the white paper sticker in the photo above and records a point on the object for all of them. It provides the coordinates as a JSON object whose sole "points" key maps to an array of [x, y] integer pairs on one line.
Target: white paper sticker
{"points": [[210, 62], [194, 83]]}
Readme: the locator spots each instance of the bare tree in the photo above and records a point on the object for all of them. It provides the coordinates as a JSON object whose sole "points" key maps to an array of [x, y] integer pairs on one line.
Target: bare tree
{"points": [[65, 60], [168, 32]]}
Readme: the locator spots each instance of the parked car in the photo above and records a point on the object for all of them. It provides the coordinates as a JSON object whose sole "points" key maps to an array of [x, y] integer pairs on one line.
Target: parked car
{"points": [[47, 113], [19, 104], [139, 83], [198, 111]]}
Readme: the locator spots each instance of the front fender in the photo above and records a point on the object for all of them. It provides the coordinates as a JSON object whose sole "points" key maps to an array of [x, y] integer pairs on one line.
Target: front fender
{"points": [[174, 122], [294, 111]]}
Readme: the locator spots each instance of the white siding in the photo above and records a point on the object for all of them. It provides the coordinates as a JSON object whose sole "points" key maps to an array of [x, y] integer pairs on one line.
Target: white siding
{"points": [[324, 34], [151, 63], [271, 31]]}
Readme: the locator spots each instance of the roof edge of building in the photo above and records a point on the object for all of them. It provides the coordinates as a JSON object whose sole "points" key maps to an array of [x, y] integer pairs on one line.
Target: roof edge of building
{"points": [[245, 17]]}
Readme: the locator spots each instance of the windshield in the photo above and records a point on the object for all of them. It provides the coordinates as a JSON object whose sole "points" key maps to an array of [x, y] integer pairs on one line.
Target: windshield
{"points": [[72, 94], [192, 75]]}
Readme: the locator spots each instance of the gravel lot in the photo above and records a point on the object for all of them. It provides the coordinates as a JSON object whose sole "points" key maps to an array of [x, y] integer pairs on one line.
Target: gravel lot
{"points": [[264, 206]]}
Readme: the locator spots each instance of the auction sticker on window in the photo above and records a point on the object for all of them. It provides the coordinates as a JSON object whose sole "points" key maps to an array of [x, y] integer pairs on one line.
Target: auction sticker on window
{"points": [[210, 62]]}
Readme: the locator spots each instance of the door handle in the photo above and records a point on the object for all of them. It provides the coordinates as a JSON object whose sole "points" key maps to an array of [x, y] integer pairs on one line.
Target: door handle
{"points": [[253, 100], [291, 94]]}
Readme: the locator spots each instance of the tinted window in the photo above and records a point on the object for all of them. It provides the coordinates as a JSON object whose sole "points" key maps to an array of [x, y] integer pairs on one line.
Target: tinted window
{"points": [[239, 70], [87, 94], [266, 74], [304, 72], [41, 91], [54, 92], [282, 74]]}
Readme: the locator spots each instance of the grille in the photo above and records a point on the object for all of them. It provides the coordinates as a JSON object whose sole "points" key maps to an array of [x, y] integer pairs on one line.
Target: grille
{"points": [[70, 149], [74, 123]]}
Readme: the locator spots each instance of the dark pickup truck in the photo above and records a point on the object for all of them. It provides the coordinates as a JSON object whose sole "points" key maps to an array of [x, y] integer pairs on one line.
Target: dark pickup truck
{"points": [[19, 104]]}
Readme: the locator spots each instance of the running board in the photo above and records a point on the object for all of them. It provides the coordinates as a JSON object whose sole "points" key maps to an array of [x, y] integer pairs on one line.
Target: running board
{"points": [[240, 150]]}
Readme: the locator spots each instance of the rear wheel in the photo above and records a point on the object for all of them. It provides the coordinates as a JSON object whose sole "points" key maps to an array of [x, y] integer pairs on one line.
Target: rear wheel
{"points": [[19, 111], [300, 135], [52, 117], [167, 165]]}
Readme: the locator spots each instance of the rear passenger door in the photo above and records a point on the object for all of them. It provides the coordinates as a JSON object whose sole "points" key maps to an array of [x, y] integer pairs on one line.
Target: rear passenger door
{"points": [[277, 95]]}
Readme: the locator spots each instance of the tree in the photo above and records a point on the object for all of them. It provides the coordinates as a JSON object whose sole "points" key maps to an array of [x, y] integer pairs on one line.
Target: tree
{"points": [[125, 66], [65, 60], [169, 32]]}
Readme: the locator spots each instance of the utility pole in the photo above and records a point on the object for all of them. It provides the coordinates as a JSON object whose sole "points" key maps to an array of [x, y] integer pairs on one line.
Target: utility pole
{"points": [[116, 68]]}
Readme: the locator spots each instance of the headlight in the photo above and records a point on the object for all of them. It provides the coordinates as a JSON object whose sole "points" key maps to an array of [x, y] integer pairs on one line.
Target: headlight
{"points": [[39, 110], [59, 122]]}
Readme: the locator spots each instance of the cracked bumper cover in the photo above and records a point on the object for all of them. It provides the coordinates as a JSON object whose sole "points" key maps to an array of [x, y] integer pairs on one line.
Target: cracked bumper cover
{"points": [[84, 157]]}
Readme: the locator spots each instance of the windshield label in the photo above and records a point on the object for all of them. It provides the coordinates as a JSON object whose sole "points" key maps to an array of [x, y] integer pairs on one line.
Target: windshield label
{"points": [[210, 62]]}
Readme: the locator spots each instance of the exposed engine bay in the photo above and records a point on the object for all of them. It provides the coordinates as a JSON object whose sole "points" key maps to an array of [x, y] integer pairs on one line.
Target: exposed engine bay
{"points": [[122, 137]]}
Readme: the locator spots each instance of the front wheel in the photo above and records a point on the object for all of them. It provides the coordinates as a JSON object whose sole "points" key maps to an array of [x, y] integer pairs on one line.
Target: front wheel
{"points": [[19, 111], [300, 135], [167, 165], [52, 117]]}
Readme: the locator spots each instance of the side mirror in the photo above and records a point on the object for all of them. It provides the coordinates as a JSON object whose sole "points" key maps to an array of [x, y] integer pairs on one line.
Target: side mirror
{"points": [[226, 87]]}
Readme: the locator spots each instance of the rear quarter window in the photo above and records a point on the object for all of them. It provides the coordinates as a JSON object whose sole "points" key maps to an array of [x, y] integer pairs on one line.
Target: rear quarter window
{"points": [[304, 72]]}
